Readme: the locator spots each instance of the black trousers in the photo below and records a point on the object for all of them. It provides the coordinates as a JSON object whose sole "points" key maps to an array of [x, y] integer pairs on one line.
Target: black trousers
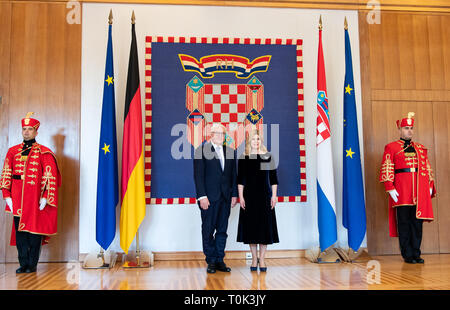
{"points": [[28, 246], [214, 230], [409, 232]]}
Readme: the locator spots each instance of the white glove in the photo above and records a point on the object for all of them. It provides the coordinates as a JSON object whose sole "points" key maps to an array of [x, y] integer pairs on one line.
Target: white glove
{"points": [[394, 195], [42, 203], [431, 191], [9, 203]]}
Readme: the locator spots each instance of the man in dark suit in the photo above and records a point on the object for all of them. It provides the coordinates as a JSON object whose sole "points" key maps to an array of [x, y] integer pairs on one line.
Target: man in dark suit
{"points": [[215, 182]]}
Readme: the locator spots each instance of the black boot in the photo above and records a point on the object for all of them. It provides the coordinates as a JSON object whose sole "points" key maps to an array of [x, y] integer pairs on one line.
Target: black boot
{"points": [[21, 270]]}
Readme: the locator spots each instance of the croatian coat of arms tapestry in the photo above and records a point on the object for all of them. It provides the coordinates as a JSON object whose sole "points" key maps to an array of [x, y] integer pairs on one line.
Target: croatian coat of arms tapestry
{"points": [[242, 83]]}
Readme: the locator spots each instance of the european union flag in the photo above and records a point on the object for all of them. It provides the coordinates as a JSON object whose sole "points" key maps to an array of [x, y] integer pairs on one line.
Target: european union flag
{"points": [[353, 205], [107, 182]]}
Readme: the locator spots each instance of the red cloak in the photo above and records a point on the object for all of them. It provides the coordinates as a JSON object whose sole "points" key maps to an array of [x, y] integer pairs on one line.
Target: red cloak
{"points": [[413, 187], [27, 179]]}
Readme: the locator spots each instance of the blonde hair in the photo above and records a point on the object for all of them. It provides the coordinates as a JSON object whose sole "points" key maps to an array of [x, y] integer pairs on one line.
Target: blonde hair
{"points": [[250, 135]]}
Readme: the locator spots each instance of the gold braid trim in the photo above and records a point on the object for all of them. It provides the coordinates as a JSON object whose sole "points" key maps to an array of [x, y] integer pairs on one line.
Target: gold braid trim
{"points": [[387, 169], [46, 184], [5, 179]]}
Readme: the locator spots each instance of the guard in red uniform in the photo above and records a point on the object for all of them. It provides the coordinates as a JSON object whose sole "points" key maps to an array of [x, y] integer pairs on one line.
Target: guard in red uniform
{"points": [[408, 178], [29, 181]]}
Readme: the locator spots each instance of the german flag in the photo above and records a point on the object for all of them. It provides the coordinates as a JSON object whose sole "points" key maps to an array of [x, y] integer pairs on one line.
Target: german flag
{"points": [[133, 193]]}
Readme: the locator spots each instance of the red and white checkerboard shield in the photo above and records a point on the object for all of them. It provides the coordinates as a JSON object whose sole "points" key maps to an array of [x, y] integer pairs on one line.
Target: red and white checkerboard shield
{"points": [[236, 106]]}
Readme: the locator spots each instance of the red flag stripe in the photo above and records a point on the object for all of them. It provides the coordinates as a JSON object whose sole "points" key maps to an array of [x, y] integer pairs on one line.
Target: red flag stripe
{"points": [[132, 132]]}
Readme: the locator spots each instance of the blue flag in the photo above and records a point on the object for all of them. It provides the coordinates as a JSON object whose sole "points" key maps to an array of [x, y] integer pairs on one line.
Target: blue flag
{"points": [[353, 205], [107, 182]]}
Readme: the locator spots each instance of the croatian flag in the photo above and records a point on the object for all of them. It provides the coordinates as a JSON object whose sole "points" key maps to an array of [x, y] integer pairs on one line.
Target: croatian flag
{"points": [[325, 181]]}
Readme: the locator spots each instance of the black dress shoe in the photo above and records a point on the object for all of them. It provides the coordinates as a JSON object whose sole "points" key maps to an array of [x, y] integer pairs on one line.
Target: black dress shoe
{"points": [[222, 267], [211, 268], [410, 261], [419, 260], [256, 267], [30, 269], [21, 270]]}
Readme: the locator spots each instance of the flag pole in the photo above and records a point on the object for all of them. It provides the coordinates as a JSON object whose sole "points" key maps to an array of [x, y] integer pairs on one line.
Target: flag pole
{"points": [[102, 251], [110, 17], [350, 170], [326, 203], [141, 259], [93, 261], [138, 251], [101, 255]]}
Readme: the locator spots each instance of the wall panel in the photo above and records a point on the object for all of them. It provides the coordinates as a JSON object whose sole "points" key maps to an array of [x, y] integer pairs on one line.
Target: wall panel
{"points": [[435, 38], [445, 43], [421, 51], [407, 57], [45, 78], [441, 116], [405, 41], [5, 30], [390, 52]]}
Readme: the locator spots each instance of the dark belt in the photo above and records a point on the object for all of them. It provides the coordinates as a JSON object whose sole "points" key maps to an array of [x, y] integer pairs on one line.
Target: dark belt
{"points": [[405, 170], [17, 177]]}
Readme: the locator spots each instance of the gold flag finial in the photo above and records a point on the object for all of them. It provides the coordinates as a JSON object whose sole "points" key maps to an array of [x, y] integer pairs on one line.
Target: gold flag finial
{"points": [[133, 18], [29, 114], [320, 22], [345, 23], [411, 114], [110, 17]]}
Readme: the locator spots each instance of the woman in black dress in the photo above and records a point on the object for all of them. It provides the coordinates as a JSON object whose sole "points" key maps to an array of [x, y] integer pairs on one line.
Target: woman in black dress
{"points": [[257, 185]]}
